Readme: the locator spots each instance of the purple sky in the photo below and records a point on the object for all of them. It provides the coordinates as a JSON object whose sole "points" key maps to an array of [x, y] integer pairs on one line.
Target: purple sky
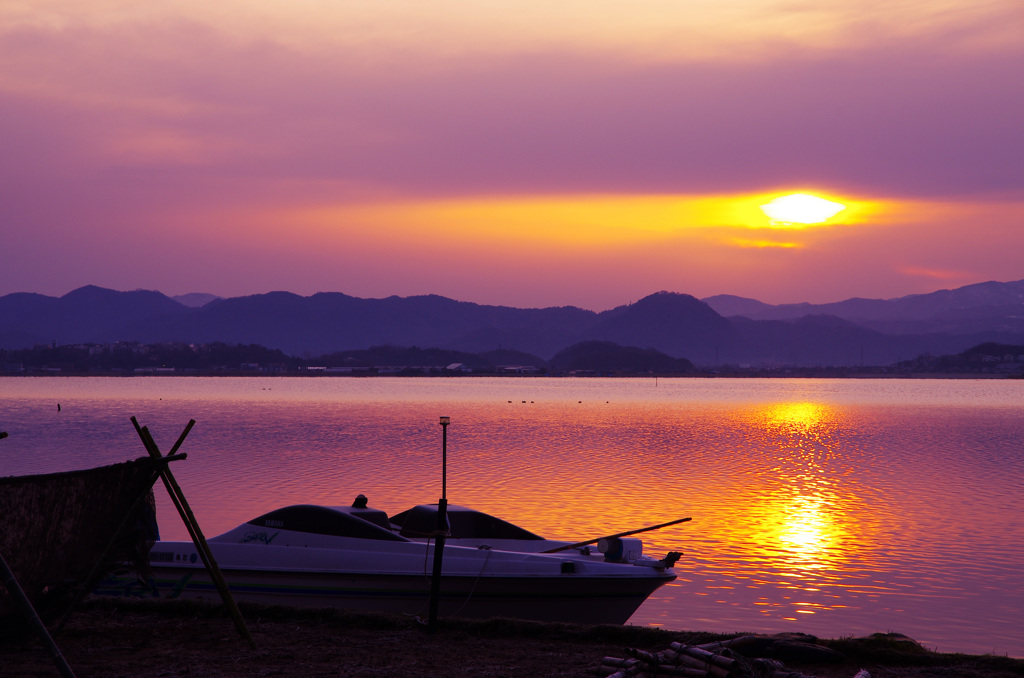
{"points": [[527, 154]]}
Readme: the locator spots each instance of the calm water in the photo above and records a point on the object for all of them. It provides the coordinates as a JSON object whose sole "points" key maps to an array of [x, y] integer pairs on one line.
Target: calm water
{"points": [[832, 507]]}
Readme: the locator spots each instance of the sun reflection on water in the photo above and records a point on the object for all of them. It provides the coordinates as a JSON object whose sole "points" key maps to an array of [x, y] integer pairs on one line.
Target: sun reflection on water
{"points": [[798, 514], [808, 532], [798, 416]]}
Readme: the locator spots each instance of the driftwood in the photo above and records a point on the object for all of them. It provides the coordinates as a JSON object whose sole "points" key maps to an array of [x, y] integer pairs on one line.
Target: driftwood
{"points": [[710, 660]]}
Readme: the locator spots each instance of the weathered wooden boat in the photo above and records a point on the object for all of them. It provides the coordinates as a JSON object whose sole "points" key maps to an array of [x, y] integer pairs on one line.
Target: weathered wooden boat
{"points": [[356, 558]]}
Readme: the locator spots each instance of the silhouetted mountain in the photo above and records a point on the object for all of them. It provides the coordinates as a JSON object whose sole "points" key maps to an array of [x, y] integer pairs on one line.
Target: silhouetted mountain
{"points": [[88, 314], [195, 299], [730, 305], [988, 306], [608, 357], [993, 358], [327, 322], [677, 325], [821, 340], [396, 356], [509, 357]]}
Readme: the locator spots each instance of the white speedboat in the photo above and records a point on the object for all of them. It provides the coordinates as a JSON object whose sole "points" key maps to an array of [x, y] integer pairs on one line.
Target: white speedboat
{"points": [[356, 558]]}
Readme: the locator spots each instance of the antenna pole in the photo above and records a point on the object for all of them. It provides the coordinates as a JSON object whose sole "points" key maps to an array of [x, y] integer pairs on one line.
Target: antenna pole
{"points": [[442, 526]]}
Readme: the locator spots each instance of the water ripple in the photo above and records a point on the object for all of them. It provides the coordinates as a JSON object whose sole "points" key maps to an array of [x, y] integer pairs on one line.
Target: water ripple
{"points": [[835, 507]]}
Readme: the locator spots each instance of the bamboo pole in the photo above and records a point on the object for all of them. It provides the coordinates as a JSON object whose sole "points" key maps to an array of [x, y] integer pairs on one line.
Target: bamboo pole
{"points": [[709, 657], [683, 659], [645, 657], [693, 661], [180, 503], [181, 438], [671, 660]]}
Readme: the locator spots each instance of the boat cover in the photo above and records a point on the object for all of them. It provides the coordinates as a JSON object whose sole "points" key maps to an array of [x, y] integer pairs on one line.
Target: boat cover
{"points": [[57, 526]]}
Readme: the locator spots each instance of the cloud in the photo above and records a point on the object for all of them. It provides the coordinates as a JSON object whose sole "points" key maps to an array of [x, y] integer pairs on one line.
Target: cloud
{"points": [[897, 119], [940, 275]]}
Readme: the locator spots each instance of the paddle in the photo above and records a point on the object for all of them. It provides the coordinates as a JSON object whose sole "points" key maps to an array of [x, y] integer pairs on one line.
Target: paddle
{"points": [[616, 536]]}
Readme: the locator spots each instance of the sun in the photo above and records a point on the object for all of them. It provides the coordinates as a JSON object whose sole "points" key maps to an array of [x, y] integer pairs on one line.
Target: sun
{"points": [[801, 208]]}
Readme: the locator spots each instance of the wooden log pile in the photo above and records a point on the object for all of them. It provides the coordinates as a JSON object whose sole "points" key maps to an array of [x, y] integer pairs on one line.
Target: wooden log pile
{"points": [[710, 660]]}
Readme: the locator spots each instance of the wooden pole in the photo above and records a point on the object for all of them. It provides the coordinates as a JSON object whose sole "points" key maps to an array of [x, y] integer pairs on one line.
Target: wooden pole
{"points": [[616, 536], [180, 503]]}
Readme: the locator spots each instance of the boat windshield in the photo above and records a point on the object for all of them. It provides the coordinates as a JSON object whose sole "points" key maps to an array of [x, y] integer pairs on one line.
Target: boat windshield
{"points": [[323, 520], [421, 521]]}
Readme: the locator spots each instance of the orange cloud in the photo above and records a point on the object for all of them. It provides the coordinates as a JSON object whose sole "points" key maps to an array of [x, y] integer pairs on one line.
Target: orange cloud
{"points": [[746, 242], [937, 274], [585, 222]]}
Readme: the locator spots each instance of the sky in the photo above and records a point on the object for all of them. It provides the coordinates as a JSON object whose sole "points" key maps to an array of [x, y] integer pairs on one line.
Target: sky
{"points": [[521, 153]]}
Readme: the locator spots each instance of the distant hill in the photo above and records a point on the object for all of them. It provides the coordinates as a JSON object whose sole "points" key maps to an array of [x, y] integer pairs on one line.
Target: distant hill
{"points": [[677, 324], [731, 305], [88, 314], [332, 321], [993, 306], [984, 358], [195, 299], [608, 358], [718, 331]]}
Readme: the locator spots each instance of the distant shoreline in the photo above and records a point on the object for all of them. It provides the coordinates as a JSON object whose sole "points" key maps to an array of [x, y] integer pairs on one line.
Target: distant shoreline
{"points": [[793, 373]]}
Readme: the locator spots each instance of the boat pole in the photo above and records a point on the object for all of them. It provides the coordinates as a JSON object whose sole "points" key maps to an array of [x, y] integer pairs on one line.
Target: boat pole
{"points": [[442, 526], [618, 534]]}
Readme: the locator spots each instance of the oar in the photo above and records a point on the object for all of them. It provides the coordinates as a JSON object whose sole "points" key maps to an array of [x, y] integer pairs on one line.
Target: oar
{"points": [[616, 536]]}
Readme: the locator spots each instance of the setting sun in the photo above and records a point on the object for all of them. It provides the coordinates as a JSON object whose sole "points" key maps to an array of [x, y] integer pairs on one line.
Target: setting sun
{"points": [[801, 208]]}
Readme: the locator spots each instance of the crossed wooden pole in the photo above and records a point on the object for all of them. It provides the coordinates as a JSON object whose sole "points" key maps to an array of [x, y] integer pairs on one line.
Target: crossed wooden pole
{"points": [[180, 503]]}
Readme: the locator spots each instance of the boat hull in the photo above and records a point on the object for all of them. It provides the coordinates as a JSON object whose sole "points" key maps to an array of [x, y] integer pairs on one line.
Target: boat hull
{"points": [[308, 556], [551, 599]]}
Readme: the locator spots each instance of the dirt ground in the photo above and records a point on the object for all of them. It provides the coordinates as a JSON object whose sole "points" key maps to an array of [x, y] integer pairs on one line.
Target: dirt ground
{"points": [[113, 640]]}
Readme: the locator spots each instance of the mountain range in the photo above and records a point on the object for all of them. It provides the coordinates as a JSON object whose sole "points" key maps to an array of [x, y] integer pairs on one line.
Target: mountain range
{"points": [[719, 330]]}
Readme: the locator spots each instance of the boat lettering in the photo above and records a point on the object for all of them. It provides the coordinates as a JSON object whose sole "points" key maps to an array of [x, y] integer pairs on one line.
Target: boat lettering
{"points": [[273, 523], [261, 537]]}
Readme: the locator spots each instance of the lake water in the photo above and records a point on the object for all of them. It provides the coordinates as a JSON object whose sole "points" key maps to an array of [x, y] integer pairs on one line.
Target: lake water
{"points": [[831, 507]]}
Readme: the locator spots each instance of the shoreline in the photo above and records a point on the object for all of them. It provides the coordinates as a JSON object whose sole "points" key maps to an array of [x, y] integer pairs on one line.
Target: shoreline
{"points": [[791, 373], [105, 638]]}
